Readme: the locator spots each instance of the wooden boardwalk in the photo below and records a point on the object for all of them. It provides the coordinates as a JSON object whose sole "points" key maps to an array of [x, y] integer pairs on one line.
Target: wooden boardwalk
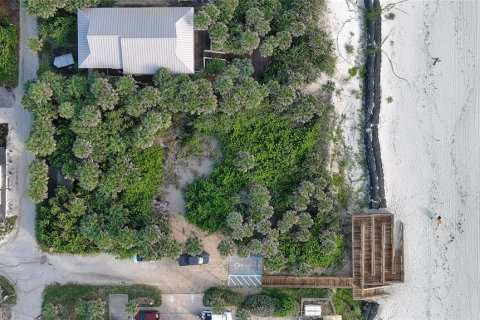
{"points": [[307, 282], [376, 263]]}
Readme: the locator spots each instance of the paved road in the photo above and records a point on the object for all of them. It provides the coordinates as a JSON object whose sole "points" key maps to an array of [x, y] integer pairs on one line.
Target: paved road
{"points": [[181, 306], [28, 268]]}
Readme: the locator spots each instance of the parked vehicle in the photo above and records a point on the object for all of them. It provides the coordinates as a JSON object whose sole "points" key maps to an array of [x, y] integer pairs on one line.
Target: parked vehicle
{"points": [[188, 260], [147, 315], [209, 315], [137, 258]]}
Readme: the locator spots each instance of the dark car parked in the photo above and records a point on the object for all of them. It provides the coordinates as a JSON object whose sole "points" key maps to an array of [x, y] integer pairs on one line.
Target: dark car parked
{"points": [[188, 260], [147, 315]]}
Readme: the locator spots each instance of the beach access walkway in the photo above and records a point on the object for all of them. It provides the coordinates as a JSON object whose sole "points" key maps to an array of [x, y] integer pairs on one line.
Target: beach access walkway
{"points": [[377, 260]]}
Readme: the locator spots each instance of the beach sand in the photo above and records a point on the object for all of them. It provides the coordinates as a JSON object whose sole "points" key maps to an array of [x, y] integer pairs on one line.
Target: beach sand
{"points": [[430, 137]]}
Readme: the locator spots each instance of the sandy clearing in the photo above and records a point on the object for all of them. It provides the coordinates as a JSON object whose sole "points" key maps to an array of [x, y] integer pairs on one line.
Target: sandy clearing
{"points": [[430, 150], [344, 23]]}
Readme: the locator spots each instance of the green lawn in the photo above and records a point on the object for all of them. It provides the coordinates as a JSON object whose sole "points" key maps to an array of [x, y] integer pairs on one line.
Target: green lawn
{"points": [[347, 307], [8, 48], [296, 293], [68, 294]]}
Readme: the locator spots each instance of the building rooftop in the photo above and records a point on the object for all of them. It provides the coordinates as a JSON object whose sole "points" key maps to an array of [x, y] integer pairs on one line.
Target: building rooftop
{"points": [[136, 40]]}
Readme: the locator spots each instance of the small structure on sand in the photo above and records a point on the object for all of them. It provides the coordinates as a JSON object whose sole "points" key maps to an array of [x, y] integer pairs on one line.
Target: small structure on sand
{"points": [[318, 309], [63, 61]]}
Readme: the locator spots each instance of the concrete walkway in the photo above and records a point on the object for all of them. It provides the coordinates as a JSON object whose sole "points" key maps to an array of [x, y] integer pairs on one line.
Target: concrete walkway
{"points": [[28, 268]]}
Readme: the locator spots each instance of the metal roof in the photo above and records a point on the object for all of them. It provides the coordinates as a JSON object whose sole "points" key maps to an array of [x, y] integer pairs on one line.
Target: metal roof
{"points": [[137, 40]]}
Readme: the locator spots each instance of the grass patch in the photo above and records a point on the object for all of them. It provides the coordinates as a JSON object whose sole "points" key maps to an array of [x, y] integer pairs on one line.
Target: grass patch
{"points": [[296, 293], [8, 51], [345, 306], [67, 295], [7, 290], [6, 226]]}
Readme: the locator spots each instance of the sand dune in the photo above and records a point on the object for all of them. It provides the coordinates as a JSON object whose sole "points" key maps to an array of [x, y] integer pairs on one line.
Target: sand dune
{"points": [[430, 137]]}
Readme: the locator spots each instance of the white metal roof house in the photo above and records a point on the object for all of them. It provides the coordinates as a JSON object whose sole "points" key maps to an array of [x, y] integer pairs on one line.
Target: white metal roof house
{"points": [[136, 40]]}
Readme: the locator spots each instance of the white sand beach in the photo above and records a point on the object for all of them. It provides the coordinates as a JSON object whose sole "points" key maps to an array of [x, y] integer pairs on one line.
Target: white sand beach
{"points": [[430, 137]]}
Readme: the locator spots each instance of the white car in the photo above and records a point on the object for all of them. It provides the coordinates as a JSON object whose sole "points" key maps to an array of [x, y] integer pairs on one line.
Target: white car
{"points": [[209, 315]]}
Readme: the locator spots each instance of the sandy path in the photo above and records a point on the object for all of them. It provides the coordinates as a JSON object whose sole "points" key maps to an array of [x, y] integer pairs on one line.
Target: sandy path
{"points": [[344, 24], [430, 148]]}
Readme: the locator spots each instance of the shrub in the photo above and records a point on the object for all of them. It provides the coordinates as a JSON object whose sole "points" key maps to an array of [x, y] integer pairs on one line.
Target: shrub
{"points": [[287, 307], [35, 44], [49, 312], [226, 247], [347, 307], [221, 296], [243, 315], [8, 55], [193, 246], [38, 171], [260, 305], [58, 30], [91, 310], [349, 48], [215, 66], [353, 71]]}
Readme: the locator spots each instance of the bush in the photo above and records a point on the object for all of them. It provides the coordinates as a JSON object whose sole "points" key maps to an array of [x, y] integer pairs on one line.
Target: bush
{"points": [[215, 66], [260, 305], [7, 291], [226, 247], [193, 246], [35, 44], [243, 315], [38, 171], [221, 296], [347, 307], [287, 307], [58, 31], [8, 55], [91, 310]]}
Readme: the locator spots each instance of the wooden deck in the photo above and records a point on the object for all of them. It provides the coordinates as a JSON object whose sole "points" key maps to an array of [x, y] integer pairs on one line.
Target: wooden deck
{"points": [[375, 262]]}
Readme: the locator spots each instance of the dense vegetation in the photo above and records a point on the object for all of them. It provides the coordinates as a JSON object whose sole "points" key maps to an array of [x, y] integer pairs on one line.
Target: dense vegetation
{"points": [[271, 193], [286, 30], [83, 301], [101, 133], [8, 49], [47, 9], [280, 302]]}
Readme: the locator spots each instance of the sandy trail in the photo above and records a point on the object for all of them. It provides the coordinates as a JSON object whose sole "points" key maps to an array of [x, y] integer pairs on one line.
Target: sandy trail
{"points": [[430, 149]]}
